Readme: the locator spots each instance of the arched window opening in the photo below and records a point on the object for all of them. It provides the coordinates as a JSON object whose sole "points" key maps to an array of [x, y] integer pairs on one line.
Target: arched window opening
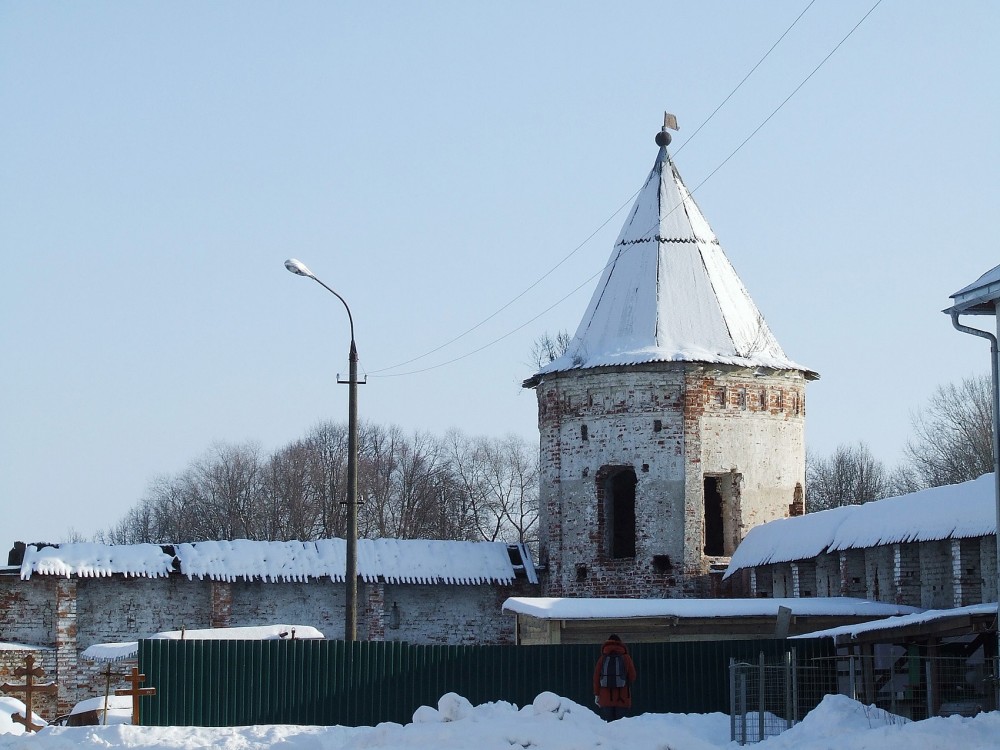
{"points": [[619, 513], [715, 540], [722, 523]]}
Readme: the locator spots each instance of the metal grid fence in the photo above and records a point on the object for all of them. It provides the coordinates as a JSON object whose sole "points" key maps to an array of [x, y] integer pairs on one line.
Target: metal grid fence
{"points": [[768, 698], [763, 698]]}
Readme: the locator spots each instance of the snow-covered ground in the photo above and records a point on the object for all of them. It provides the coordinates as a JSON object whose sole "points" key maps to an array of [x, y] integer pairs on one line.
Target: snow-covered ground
{"points": [[550, 723]]}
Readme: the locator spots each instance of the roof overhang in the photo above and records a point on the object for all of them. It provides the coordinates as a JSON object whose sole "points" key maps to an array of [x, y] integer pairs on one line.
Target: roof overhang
{"points": [[978, 298]]}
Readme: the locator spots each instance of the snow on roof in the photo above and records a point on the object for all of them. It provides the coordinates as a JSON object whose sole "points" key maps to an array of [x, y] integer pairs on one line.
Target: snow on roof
{"points": [[130, 649], [9, 646], [956, 511], [546, 608], [88, 560], [902, 621], [979, 297], [394, 560], [669, 293]]}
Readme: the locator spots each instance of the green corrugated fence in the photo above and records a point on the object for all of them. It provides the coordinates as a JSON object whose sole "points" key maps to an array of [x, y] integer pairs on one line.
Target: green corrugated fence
{"points": [[233, 683]]}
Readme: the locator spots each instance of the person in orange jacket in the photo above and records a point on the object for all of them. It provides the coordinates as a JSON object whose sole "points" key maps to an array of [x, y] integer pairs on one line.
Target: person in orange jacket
{"points": [[613, 678]]}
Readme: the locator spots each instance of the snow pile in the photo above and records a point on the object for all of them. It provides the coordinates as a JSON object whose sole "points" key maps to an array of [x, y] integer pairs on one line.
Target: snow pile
{"points": [[549, 723], [393, 560], [10, 706], [548, 608], [130, 649], [89, 560], [956, 511], [119, 708]]}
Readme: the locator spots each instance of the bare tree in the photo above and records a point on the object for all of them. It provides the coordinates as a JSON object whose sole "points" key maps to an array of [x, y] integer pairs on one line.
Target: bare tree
{"points": [[291, 508], [500, 480], [326, 448], [850, 476], [548, 348], [411, 487], [953, 434]]}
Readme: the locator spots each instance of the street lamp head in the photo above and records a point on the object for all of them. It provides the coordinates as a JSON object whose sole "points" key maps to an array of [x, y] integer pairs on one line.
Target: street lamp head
{"points": [[298, 267]]}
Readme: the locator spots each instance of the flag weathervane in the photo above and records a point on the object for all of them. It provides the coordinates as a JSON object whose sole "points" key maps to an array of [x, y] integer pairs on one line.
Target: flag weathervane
{"points": [[669, 121]]}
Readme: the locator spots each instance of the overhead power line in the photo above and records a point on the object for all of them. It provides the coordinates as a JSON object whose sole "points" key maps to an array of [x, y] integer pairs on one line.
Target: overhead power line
{"points": [[382, 371]]}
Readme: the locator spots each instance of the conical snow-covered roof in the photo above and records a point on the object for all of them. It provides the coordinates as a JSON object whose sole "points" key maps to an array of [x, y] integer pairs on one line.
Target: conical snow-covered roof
{"points": [[668, 293]]}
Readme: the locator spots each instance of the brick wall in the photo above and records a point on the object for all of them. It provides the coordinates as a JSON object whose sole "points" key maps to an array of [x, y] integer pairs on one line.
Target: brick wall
{"points": [[879, 574], [782, 583], [988, 568], [672, 424], [936, 585], [66, 615], [828, 574], [27, 610], [906, 573], [45, 705], [852, 573], [317, 603], [933, 575], [966, 580], [804, 574], [451, 614]]}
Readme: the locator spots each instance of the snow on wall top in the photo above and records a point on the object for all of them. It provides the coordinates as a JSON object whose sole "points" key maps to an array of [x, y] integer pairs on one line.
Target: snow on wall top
{"points": [[88, 560], [547, 608], [393, 560], [669, 293], [130, 649], [902, 621], [955, 511]]}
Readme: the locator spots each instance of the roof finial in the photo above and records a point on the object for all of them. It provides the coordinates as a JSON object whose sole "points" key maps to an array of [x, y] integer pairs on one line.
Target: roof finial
{"points": [[663, 137]]}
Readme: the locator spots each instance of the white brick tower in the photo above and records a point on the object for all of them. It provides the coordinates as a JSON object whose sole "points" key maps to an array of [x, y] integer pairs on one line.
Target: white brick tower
{"points": [[674, 422]]}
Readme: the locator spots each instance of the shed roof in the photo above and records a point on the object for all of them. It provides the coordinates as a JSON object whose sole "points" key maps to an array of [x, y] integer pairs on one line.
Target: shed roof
{"points": [[130, 649], [979, 297], [547, 608], [954, 511], [940, 621]]}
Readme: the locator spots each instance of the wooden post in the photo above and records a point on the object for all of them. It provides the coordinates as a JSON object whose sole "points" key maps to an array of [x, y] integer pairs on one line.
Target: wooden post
{"points": [[107, 690], [29, 672], [136, 692]]}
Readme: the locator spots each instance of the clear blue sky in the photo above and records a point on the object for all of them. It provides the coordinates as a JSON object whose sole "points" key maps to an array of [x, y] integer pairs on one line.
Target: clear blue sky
{"points": [[430, 161]]}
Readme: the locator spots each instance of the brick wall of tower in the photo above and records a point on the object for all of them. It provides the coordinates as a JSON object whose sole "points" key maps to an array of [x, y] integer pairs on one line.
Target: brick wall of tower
{"points": [[672, 424]]}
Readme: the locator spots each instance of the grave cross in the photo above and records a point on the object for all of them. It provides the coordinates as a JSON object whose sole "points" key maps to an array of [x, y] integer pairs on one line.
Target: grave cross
{"points": [[29, 672], [136, 692]]}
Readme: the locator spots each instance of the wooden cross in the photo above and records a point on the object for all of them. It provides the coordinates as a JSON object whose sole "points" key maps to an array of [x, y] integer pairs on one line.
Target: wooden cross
{"points": [[136, 692], [29, 672]]}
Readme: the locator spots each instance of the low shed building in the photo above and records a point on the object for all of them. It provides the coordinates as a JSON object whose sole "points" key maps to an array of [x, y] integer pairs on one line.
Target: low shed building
{"points": [[551, 620], [933, 549]]}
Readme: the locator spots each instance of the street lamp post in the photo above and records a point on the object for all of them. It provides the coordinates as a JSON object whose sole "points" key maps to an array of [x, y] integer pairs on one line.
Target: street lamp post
{"points": [[351, 573]]}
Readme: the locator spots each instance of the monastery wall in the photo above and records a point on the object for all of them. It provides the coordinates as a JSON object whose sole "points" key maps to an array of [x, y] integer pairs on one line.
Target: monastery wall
{"points": [[437, 615], [64, 616]]}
